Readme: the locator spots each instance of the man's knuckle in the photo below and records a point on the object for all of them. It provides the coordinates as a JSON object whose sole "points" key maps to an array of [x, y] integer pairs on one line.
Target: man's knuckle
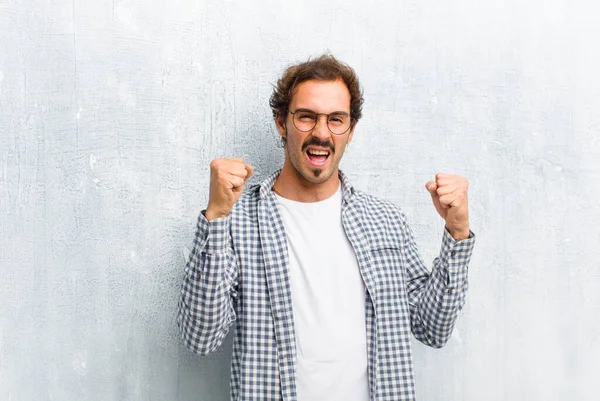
{"points": [[216, 163]]}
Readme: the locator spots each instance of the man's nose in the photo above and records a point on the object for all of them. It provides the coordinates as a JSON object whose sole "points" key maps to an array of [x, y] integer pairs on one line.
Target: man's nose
{"points": [[321, 130]]}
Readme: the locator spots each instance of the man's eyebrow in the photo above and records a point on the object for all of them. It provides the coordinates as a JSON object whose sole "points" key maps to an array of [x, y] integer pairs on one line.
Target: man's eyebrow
{"points": [[312, 111]]}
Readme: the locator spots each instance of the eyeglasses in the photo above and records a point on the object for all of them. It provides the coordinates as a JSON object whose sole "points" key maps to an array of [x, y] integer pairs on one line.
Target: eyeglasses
{"points": [[338, 122]]}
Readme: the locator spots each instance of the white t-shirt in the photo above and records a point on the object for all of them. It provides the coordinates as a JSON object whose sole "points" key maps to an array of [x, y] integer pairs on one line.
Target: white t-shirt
{"points": [[328, 300]]}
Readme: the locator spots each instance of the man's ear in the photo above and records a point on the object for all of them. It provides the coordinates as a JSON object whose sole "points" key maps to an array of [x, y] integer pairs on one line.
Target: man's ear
{"points": [[351, 134], [280, 123]]}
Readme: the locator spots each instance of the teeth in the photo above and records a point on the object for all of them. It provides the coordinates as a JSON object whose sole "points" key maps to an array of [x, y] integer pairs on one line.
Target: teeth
{"points": [[318, 152]]}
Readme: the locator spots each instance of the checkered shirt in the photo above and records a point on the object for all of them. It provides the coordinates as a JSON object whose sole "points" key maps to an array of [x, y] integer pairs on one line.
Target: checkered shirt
{"points": [[238, 275]]}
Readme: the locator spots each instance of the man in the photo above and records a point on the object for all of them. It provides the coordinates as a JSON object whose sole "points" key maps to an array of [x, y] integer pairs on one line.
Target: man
{"points": [[323, 282]]}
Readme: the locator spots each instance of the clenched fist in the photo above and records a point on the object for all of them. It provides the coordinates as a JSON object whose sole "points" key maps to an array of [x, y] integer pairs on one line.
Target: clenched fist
{"points": [[227, 180], [449, 196]]}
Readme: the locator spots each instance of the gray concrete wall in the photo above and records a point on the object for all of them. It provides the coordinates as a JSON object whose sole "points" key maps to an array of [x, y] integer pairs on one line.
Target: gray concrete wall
{"points": [[110, 111]]}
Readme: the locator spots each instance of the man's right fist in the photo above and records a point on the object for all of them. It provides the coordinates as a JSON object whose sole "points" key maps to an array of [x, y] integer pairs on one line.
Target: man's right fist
{"points": [[227, 180]]}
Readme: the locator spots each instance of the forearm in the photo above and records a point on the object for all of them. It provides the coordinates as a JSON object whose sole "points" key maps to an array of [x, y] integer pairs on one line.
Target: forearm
{"points": [[438, 297], [206, 306]]}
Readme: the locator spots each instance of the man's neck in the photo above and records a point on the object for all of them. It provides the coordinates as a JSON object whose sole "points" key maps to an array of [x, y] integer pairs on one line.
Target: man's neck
{"points": [[291, 185]]}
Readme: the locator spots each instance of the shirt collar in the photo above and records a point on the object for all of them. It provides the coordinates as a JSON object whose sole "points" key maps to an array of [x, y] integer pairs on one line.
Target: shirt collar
{"points": [[267, 185]]}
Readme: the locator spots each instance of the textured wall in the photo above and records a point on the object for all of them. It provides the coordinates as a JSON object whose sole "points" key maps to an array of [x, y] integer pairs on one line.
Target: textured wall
{"points": [[110, 111]]}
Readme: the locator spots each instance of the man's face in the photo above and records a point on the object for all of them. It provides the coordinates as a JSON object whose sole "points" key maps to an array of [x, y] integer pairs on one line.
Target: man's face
{"points": [[304, 150]]}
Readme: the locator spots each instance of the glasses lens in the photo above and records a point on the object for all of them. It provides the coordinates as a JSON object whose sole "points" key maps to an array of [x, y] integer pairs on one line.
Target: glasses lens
{"points": [[305, 120], [338, 123]]}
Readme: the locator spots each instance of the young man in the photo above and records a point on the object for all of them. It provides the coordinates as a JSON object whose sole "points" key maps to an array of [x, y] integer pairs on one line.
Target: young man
{"points": [[323, 282]]}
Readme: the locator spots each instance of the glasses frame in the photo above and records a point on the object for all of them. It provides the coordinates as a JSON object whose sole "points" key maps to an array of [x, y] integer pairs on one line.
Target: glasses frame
{"points": [[326, 121]]}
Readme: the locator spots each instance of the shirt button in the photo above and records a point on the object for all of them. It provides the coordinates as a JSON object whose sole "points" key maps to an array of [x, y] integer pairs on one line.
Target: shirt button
{"points": [[453, 254]]}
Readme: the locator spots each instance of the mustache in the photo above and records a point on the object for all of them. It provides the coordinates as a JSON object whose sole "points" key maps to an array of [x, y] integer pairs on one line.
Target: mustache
{"points": [[317, 142]]}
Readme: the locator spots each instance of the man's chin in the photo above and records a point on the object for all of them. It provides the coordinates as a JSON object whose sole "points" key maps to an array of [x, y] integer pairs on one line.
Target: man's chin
{"points": [[318, 175]]}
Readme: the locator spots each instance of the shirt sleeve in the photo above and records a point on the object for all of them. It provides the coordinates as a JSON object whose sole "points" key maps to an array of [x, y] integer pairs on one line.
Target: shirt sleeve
{"points": [[206, 307], [436, 297]]}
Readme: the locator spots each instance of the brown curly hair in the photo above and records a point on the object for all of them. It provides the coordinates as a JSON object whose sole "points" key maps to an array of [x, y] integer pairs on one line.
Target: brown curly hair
{"points": [[323, 68]]}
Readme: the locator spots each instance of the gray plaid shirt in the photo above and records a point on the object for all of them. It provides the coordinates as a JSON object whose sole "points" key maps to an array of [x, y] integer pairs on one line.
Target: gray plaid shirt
{"points": [[237, 273]]}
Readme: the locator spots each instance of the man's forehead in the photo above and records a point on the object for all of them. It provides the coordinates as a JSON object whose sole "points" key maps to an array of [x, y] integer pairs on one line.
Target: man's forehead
{"points": [[328, 94]]}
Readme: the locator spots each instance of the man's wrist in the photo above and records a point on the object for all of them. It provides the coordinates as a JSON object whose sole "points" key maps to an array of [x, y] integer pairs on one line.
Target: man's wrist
{"points": [[459, 234], [211, 214]]}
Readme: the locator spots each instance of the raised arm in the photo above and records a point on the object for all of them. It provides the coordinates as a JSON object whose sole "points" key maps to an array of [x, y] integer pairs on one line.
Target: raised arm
{"points": [[207, 306], [436, 298]]}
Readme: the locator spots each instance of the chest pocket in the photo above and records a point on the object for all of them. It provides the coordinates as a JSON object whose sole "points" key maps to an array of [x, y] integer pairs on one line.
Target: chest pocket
{"points": [[388, 263], [390, 281]]}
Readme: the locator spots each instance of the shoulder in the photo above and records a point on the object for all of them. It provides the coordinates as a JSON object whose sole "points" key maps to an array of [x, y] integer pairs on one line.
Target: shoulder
{"points": [[248, 201], [251, 194]]}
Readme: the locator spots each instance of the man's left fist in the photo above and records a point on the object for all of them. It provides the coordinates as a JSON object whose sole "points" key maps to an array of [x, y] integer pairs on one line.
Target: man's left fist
{"points": [[449, 196]]}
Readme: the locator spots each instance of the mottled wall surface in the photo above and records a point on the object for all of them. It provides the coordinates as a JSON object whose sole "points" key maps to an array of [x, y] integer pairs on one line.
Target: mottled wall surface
{"points": [[111, 110]]}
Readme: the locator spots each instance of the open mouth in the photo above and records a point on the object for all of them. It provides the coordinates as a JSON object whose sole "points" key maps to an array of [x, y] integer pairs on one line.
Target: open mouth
{"points": [[318, 157]]}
